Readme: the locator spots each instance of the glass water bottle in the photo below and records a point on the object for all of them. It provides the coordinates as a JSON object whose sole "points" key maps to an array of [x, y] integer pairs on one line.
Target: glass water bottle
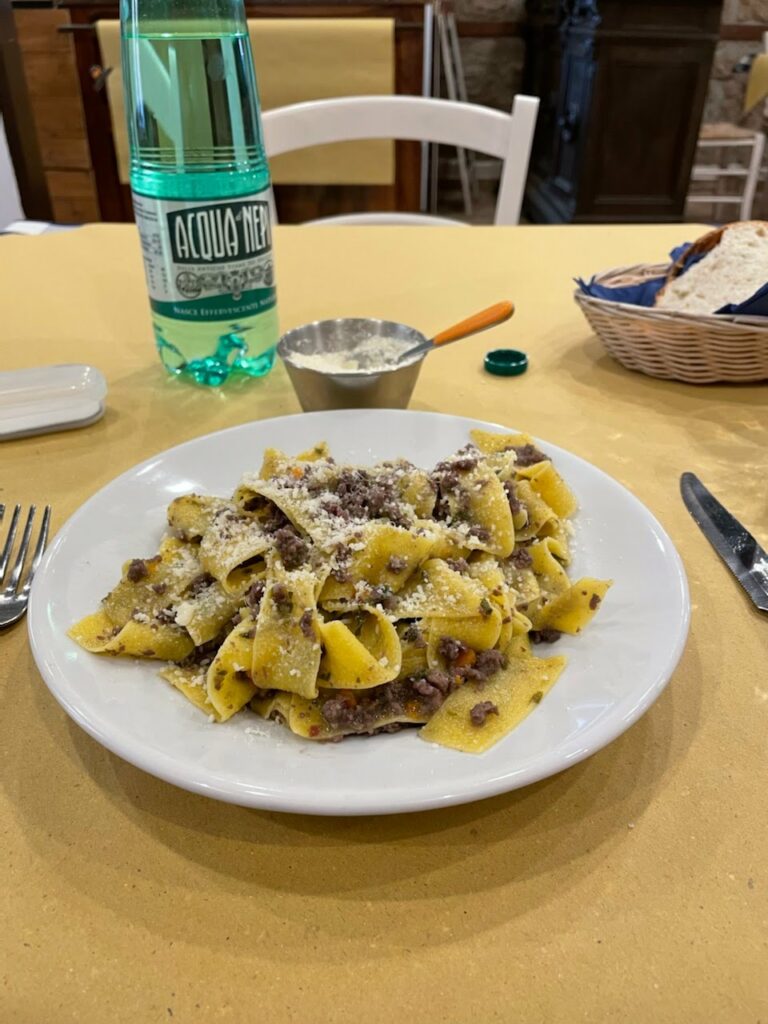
{"points": [[200, 186]]}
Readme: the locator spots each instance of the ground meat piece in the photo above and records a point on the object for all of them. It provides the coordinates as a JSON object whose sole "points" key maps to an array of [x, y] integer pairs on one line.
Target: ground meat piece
{"points": [[412, 635], [594, 601], [480, 712], [486, 608], [457, 564], [360, 495], [340, 572], [159, 588], [450, 649], [253, 596], [291, 547], [462, 461], [488, 662], [440, 680], [363, 712], [521, 558], [430, 698], [448, 481], [485, 664], [528, 455], [480, 533], [306, 624], [137, 570], [343, 714], [382, 595], [335, 508], [282, 598], [397, 563], [544, 636], [199, 584], [166, 616], [514, 503]]}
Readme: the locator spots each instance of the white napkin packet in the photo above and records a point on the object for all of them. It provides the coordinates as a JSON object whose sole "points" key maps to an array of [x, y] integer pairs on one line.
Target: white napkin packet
{"points": [[48, 398]]}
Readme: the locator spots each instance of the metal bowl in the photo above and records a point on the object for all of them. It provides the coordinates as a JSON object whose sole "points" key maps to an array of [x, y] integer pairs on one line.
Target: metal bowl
{"points": [[319, 389]]}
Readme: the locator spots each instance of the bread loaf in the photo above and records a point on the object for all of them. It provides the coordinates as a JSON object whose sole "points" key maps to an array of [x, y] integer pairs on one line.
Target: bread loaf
{"points": [[734, 268]]}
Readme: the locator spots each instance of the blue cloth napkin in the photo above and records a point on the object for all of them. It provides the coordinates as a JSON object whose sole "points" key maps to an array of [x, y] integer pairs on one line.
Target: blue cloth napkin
{"points": [[644, 294]]}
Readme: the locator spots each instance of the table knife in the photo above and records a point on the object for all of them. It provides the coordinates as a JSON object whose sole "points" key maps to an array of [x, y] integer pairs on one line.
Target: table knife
{"points": [[736, 546]]}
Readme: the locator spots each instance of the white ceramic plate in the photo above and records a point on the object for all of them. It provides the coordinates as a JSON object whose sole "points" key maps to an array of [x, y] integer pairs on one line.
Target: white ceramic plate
{"points": [[615, 671]]}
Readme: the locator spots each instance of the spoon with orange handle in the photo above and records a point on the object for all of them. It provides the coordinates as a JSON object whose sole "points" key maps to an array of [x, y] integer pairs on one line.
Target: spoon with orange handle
{"points": [[482, 321]]}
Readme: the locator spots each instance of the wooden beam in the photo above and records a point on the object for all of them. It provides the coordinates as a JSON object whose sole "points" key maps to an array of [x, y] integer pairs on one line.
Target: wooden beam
{"points": [[742, 33], [489, 29]]}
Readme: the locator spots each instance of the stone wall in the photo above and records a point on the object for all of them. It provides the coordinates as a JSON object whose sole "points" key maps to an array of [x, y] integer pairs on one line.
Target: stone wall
{"points": [[725, 102]]}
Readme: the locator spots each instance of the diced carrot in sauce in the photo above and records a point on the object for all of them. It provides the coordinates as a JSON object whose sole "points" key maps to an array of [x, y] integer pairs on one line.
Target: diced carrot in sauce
{"points": [[466, 657]]}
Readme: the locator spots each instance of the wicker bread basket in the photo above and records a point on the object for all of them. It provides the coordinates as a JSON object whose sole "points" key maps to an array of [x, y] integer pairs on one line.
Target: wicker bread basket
{"points": [[678, 346]]}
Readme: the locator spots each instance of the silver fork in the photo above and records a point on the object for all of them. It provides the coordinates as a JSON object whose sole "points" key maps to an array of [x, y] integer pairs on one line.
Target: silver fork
{"points": [[14, 599]]}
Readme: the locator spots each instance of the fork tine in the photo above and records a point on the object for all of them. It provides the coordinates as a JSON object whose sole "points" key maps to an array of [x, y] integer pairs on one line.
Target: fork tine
{"points": [[39, 548], [9, 542], [22, 552]]}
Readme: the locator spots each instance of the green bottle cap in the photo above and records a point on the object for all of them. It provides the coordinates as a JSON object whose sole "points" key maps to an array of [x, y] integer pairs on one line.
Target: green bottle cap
{"points": [[506, 362]]}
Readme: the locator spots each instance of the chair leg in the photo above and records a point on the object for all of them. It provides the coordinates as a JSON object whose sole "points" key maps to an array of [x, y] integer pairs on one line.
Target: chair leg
{"points": [[450, 81], [753, 176], [427, 72], [461, 88], [434, 148]]}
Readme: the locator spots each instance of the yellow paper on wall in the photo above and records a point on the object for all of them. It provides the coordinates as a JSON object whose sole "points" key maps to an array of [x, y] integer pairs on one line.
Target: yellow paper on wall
{"points": [[757, 83]]}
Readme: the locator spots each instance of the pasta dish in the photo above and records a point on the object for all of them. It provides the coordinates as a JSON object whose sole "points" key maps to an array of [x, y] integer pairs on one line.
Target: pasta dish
{"points": [[347, 600]]}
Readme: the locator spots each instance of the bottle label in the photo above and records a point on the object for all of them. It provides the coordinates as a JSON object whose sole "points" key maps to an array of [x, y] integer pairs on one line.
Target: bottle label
{"points": [[207, 260]]}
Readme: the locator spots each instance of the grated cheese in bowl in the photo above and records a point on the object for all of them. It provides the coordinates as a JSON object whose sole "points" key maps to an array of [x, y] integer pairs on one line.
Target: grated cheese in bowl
{"points": [[372, 355]]}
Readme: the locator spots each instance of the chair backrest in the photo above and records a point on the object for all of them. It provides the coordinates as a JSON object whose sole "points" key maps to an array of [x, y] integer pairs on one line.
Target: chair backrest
{"points": [[466, 125]]}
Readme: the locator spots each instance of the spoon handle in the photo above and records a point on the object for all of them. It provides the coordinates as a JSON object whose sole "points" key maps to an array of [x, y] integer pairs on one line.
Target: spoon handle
{"points": [[481, 321]]}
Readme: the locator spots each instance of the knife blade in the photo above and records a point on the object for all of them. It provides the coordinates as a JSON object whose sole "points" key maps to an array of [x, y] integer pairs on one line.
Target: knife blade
{"points": [[736, 546]]}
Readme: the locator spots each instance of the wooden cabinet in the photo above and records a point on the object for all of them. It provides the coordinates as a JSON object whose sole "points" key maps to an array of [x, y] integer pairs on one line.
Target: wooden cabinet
{"points": [[622, 86]]}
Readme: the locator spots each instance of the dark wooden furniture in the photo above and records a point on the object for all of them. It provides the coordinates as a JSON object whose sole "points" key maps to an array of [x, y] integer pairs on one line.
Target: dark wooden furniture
{"points": [[63, 72], [16, 110], [622, 86]]}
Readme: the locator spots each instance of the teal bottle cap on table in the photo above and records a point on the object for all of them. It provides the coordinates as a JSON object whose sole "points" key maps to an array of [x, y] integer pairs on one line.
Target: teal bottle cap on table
{"points": [[506, 362]]}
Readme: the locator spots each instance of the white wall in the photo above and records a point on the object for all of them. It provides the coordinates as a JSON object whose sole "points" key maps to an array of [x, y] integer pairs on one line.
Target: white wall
{"points": [[10, 204]]}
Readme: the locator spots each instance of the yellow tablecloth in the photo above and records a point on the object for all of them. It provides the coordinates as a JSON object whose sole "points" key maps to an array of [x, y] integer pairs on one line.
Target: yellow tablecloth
{"points": [[297, 59], [630, 888]]}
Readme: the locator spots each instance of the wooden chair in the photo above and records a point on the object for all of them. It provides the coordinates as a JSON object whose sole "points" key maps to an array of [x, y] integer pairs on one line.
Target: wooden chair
{"points": [[465, 125], [729, 140]]}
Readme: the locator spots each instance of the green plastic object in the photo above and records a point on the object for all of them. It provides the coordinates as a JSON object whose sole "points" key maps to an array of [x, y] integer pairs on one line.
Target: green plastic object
{"points": [[506, 362]]}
